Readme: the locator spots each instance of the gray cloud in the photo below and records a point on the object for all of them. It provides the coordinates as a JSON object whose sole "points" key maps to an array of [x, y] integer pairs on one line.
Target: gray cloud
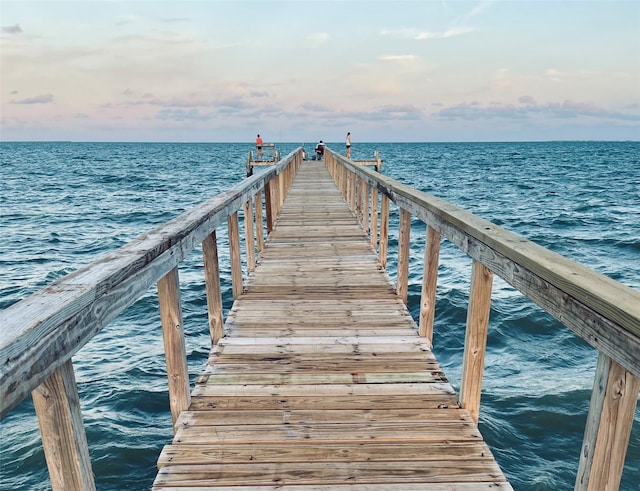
{"points": [[12, 29], [558, 110], [40, 99]]}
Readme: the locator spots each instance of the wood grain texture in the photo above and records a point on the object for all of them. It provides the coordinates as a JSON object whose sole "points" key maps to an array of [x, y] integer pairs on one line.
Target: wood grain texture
{"points": [[321, 380]]}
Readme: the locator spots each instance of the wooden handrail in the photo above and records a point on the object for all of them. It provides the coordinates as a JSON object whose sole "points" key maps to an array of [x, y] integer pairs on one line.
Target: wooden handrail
{"points": [[41, 333], [601, 311]]}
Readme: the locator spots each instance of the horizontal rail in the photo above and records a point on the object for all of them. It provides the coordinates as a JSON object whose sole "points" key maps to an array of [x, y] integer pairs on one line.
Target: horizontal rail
{"points": [[601, 311], [42, 332]]}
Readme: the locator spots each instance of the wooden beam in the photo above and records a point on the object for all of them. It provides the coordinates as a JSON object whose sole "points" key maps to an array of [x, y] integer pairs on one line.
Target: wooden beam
{"points": [[475, 342], [429, 284], [234, 255], [250, 246], [608, 428], [64, 441], [373, 229], [212, 281], [384, 232], [174, 343], [404, 244], [259, 221]]}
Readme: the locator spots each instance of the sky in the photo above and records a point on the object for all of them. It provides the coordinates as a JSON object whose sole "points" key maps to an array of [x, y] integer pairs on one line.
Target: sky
{"points": [[295, 71]]}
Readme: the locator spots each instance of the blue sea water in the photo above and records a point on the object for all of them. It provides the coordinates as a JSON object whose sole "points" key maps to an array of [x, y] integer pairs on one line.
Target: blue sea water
{"points": [[64, 204]]}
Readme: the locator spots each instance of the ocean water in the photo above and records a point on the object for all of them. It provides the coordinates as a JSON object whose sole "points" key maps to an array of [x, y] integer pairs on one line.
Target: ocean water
{"points": [[64, 204]]}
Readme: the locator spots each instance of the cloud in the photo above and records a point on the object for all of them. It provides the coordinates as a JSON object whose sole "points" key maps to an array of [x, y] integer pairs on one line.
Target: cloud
{"points": [[400, 58], [526, 99], [318, 38], [181, 115], [40, 99], [418, 35], [530, 109], [12, 29]]}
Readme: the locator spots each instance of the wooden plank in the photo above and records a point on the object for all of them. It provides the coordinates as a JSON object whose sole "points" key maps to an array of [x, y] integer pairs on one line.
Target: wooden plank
{"points": [[181, 454], [308, 473]]}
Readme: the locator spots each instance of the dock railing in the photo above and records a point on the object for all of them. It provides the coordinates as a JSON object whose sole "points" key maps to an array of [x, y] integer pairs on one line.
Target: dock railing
{"points": [[40, 334], [601, 311]]}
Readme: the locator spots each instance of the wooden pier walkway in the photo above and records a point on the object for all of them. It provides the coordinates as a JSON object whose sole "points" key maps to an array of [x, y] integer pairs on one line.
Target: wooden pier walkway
{"points": [[321, 380]]}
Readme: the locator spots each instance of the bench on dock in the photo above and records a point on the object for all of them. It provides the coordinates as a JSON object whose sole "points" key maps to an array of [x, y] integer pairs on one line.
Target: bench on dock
{"points": [[319, 376]]}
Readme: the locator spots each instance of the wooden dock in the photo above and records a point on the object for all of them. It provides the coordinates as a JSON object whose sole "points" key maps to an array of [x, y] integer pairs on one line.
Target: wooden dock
{"points": [[321, 380]]}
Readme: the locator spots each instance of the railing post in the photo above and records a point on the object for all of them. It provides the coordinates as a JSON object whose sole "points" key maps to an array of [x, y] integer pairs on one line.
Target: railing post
{"points": [[212, 282], [475, 341], [608, 428], [57, 406], [234, 254], [365, 206], [360, 204], [403, 255], [250, 245], [384, 232], [259, 222], [429, 284], [352, 191], [281, 190], [268, 205], [373, 229], [174, 343]]}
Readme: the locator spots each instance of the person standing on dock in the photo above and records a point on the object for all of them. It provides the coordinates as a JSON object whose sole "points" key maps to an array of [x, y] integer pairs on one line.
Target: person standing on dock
{"points": [[319, 150], [348, 153], [259, 146]]}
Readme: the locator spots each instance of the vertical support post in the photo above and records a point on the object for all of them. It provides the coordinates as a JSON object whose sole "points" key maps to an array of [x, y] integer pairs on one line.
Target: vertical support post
{"points": [[352, 191], [384, 232], [57, 406], [365, 206], [259, 222], [174, 343], [281, 190], [475, 341], [606, 438], [374, 218], [268, 205], [234, 254], [250, 245], [429, 284], [212, 282], [360, 204], [402, 287]]}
